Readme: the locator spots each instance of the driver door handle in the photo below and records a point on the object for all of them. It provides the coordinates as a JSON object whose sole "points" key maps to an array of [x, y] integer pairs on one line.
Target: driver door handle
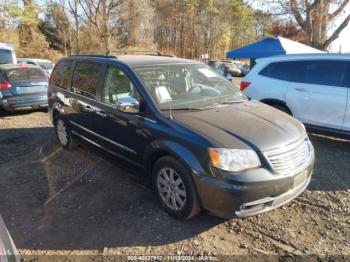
{"points": [[300, 89]]}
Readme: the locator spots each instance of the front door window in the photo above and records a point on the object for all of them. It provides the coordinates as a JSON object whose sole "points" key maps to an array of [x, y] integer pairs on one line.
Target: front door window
{"points": [[117, 85]]}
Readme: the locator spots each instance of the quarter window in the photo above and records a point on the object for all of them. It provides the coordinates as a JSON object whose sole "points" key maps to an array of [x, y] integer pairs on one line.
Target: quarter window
{"points": [[85, 78], [62, 75], [117, 85]]}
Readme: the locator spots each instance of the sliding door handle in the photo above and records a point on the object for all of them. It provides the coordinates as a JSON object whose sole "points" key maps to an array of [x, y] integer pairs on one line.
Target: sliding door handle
{"points": [[88, 109], [101, 113]]}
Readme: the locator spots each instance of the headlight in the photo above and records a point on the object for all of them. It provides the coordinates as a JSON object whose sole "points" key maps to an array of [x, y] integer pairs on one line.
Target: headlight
{"points": [[233, 159]]}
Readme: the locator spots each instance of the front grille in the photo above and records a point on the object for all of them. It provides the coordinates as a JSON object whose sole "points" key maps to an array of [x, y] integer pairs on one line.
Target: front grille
{"points": [[290, 159]]}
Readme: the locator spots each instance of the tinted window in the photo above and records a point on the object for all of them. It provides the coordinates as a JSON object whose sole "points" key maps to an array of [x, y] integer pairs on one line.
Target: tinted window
{"points": [[117, 85], [22, 74], [318, 72], [85, 78], [347, 75], [6, 56], [323, 72], [281, 70], [62, 75]]}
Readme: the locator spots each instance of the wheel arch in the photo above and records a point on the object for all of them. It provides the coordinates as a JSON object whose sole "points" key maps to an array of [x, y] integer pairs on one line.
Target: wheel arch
{"points": [[273, 101], [158, 149]]}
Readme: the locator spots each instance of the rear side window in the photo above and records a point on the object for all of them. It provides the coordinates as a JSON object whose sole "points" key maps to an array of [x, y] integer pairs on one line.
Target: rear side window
{"points": [[6, 56], [317, 72], [23, 74], [323, 72], [61, 76], [85, 78], [280, 70], [347, 75]]}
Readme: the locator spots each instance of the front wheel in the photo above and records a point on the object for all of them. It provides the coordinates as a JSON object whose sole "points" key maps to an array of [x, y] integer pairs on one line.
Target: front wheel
{"points": [[174, 187], [63, 134], [282, 108]]}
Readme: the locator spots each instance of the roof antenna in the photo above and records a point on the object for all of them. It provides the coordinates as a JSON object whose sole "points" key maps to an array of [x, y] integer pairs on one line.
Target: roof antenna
{"points": [[170, 113]]}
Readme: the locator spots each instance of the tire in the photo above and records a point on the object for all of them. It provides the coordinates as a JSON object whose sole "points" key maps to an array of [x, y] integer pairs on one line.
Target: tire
{"points": [[3, 112], [282, 108], [63, 134], [178, 187]]}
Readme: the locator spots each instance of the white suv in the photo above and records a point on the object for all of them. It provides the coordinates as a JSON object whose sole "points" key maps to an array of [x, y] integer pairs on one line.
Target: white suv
{"points": [[314, 88]]}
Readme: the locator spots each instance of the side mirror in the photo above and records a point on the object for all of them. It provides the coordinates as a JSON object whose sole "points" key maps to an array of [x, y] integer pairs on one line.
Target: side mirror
{"points": [[128, 105]]}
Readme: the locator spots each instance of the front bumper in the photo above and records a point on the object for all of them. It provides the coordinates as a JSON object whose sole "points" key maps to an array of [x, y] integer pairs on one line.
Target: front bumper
{"points": [[227, 198]]}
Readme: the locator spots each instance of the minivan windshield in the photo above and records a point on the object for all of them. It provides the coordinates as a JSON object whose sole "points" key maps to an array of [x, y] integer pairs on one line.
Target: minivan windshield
{"points": [[6, 56], [188, 86]]}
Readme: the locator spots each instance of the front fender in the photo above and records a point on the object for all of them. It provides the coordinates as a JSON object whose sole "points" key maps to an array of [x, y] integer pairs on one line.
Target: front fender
{"points": [[164, 147]]}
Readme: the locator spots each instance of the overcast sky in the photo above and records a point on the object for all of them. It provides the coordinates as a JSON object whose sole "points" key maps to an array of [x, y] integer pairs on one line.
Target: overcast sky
{"points": [[343, 41]]}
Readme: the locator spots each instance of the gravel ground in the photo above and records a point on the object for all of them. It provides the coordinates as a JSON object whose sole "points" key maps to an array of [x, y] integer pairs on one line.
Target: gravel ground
{"points": [[76, 206]]}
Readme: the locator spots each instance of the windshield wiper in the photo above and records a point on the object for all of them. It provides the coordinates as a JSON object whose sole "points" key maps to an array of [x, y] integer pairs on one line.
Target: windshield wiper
{"points": [[183, 109], [231, 102]]}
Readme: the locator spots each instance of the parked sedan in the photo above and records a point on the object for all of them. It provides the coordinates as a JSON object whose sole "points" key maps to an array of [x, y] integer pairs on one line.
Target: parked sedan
{"points": [[233, 69], [245, 68], [8, 251], [22, 87], [45, 64]]}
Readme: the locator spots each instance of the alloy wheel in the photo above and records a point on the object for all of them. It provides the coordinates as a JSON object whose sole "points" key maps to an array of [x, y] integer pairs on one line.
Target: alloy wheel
{"points": [[62, 132], [171, 188]]}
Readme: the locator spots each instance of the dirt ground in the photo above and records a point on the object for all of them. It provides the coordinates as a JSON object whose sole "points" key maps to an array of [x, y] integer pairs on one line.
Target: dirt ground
{"points": [[76, 206]]}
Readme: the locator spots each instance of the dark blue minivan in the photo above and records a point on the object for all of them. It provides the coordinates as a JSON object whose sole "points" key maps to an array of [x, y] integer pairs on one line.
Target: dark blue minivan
{"points": [[200, 141], [22, 87]]}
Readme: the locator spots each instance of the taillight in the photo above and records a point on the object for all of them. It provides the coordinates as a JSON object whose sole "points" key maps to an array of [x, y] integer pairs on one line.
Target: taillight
{"points": [[5, 85], [23, 68], [244, 85]]}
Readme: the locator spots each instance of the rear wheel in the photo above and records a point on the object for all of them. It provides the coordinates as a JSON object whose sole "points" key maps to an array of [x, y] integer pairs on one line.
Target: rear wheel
{"points": [[174, 187], [63, 134]]}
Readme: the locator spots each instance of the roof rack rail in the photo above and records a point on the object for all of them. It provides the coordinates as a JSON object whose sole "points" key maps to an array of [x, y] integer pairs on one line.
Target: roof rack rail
{"points": [[94, 55], [140, 52]]}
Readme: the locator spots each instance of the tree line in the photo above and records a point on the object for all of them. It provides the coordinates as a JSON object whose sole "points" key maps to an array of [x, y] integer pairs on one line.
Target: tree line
{"points": [[185, 28]]}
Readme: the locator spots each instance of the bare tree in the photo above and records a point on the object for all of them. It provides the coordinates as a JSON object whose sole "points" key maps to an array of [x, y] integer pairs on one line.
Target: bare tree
{"points": [[72, 7], [317, 18], [107, 16]]}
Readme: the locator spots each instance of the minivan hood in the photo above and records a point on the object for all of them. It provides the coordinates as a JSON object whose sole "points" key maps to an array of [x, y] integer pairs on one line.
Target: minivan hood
{"points": [[249, 124]]}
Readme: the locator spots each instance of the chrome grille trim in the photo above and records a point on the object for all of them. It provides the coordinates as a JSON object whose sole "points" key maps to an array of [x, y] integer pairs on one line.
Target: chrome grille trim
{"points": [[290, 159]]}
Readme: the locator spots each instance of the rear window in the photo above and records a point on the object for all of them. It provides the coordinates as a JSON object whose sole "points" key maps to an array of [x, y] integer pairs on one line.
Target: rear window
{"points": [[6, 56], [22, 74], [85, 78], [46, 65]]}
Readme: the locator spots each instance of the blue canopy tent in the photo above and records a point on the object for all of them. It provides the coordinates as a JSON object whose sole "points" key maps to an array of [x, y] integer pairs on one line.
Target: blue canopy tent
{"points": [[271, 46]]}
